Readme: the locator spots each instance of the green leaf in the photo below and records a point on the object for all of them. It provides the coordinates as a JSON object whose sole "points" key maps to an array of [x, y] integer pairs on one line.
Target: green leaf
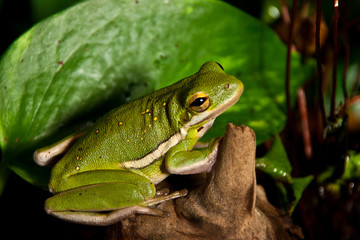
{"points": [[351, 172], [275, 162], [326, 175], [291, 191], [352, 166], [298, 186], [96, 55]]}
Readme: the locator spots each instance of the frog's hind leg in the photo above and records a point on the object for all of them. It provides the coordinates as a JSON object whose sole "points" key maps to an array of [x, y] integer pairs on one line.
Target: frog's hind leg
{"points": [[110, 217], [108, 196], [106, 191], [78, 204]]}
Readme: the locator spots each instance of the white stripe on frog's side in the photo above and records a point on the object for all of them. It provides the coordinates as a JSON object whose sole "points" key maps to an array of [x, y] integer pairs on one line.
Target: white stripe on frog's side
{"points": [[158, 152]]}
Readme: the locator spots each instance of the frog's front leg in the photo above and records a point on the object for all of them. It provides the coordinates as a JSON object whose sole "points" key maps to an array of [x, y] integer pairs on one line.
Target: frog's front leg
{"points": [[181, 159], [104, 203]]}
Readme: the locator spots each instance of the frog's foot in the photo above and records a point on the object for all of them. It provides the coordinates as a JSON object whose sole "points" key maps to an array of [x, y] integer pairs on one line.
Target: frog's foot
{"points": [[162, 192], [201, 145], [162, 197]]}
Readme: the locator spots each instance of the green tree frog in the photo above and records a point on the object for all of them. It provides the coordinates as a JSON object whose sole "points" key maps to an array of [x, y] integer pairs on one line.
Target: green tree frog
{"points": [[110, 172]]}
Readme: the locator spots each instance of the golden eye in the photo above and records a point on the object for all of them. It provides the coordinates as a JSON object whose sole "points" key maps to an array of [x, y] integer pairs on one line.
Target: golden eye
{"points": [[199, 102]]}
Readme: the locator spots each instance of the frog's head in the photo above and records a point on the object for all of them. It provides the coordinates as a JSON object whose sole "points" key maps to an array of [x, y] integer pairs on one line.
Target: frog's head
{"points": [[208, 93]]}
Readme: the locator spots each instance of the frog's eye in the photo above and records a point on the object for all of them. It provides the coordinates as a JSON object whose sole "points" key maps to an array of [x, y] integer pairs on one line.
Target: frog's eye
{"points": [[199, 102]]}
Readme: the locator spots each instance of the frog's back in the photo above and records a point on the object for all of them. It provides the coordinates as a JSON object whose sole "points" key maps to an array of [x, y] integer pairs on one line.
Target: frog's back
{"points": [[126, 134]]}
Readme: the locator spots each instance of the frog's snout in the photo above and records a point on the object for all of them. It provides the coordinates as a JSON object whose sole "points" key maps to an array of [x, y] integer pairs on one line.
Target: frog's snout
{"points": [[240, 87], [236, 86]]}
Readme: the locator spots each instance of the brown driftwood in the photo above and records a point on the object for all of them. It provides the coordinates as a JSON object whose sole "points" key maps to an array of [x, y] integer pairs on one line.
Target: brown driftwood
{"points": [[228, 205]]}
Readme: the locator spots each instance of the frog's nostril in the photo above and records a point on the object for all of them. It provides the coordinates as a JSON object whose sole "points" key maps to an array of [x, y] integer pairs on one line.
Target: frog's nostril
{"points": [[227, 85]]}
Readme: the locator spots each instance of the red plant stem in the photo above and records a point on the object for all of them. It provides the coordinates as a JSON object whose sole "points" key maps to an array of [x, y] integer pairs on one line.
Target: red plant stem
{"points": [[335, 50], [285, 12], [319, 64], [304, 123]]}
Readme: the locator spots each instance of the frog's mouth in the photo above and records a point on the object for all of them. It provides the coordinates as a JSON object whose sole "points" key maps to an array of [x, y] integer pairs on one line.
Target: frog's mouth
{"points": [[204, 128]]}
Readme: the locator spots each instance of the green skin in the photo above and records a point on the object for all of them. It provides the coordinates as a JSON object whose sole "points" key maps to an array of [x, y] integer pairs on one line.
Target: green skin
{"points": [[110, 172]]}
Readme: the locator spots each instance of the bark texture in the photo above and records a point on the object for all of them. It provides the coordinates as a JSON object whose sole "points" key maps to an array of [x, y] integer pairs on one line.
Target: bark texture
{"points": [[227, 205]]}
